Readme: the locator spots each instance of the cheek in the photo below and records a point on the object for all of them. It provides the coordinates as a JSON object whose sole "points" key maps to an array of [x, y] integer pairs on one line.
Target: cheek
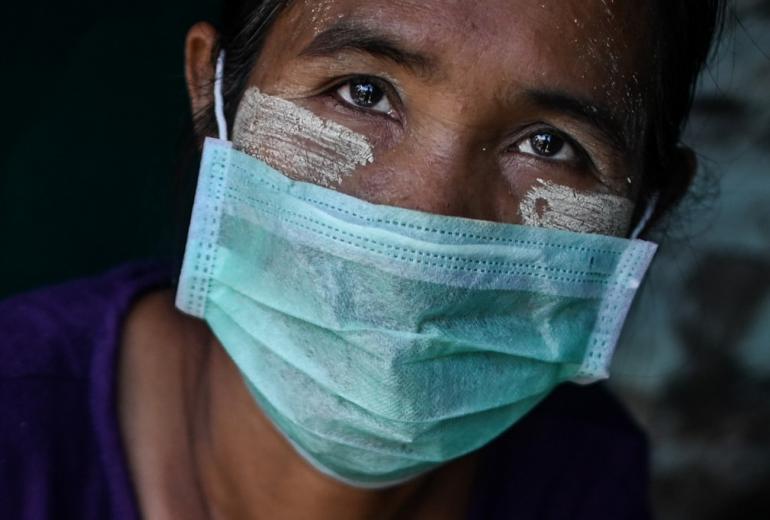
{"points": [[305, 147], [296, 142], [554, 206]]}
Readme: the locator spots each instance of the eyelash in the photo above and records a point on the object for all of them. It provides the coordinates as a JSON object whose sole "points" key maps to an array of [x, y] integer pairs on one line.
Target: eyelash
{"points": [[383, 85], [582, 158]]}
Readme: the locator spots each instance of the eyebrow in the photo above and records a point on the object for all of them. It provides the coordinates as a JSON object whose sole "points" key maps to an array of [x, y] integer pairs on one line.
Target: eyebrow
{"points": [[346, 36], [600, 117]]}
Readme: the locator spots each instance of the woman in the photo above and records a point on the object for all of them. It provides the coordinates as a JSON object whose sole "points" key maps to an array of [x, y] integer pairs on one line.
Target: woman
{"points": [[417, 232]]}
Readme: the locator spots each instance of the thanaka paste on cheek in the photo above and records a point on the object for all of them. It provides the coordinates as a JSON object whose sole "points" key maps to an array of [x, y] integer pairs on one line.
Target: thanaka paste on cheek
{"points": [[553, 206], [296, 142]]}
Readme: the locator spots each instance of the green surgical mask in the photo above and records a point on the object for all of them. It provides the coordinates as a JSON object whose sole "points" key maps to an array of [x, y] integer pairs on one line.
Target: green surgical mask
{"points": [[384, 342]]}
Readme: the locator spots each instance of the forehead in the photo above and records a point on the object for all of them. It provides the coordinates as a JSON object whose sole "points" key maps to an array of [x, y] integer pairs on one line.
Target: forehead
{"points": [[599, 47]]}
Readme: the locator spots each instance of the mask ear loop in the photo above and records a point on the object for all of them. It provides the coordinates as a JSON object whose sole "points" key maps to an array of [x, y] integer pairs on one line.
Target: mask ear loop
{"points": [[652, 205], [219, 110], [219, 100]]}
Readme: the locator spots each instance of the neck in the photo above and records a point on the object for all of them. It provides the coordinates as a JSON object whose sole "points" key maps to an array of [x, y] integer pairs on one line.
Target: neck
{"points": [[248, 470]]}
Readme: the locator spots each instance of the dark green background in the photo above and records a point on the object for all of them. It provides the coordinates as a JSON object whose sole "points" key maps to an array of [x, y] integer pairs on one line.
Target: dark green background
{"points": [[93, 105], [94, 108]]}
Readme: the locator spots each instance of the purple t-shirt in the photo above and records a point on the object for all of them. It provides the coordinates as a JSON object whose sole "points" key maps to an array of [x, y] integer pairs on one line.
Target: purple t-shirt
{"points": [[576, 456]]}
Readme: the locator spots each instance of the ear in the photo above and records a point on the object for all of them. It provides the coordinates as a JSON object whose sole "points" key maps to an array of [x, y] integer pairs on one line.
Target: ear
{"points": [[199, 66]]}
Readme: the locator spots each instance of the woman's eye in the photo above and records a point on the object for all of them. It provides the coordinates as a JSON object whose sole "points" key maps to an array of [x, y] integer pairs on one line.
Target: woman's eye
{"points": [[548, 145], [365, 94]]}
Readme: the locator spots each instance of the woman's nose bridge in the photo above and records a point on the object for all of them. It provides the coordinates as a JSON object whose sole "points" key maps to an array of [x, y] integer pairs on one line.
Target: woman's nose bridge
{"points": [[446, 171]]}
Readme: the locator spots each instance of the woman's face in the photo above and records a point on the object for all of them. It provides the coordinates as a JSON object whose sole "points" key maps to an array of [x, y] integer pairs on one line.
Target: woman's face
{"points": [[518, 111]]}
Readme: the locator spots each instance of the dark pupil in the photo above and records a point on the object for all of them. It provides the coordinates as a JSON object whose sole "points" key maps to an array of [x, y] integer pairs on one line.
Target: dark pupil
{"points": [[365, 93], [547, 145]]}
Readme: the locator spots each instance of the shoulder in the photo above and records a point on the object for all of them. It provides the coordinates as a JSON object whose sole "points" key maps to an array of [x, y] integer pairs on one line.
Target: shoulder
{"points": [[55, 331], [57, 350], [579, 454], [589, 413]]}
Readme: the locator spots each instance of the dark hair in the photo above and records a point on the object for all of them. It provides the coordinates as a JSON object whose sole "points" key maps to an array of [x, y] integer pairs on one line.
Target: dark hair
{"points": [[685, 31], [685, 37]]}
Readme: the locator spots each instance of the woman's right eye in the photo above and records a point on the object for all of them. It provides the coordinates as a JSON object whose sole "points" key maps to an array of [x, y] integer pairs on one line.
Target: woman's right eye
{"points": [[365, 94], [548, 145]]}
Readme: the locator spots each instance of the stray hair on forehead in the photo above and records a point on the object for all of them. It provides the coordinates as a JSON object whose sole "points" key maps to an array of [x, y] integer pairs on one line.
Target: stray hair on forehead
{"points": [[684, 35]]}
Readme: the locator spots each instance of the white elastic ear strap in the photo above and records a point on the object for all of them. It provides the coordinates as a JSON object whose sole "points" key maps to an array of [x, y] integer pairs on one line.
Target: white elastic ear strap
{"points": [[652, 205], [219, 100]]}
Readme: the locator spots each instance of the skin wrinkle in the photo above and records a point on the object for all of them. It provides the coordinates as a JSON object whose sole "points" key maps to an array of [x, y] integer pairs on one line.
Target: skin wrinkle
{"points": [[296, 142], [343, 36], [559, 207], [609, 49], [458, 118], [454, 150]]}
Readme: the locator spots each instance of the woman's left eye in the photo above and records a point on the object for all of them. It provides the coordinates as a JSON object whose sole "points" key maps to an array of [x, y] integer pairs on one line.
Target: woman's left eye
{"points": [[365, 94], [548, 145]]}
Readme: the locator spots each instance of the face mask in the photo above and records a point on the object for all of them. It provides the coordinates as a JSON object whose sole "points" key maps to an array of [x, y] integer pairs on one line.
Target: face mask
{"points": [[384, 342]]}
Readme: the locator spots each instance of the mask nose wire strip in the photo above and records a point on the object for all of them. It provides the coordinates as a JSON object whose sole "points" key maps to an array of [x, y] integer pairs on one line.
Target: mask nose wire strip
{"points": [[648, 213], [219, 100], [219, 110]]}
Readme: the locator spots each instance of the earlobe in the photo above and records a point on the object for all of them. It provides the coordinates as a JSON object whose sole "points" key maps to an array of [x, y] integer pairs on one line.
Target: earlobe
{"points": [[200, 45]]}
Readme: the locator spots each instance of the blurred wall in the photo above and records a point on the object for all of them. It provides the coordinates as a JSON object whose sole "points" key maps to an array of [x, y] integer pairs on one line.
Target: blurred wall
{"points": [[94, 104], [695, 359]]}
